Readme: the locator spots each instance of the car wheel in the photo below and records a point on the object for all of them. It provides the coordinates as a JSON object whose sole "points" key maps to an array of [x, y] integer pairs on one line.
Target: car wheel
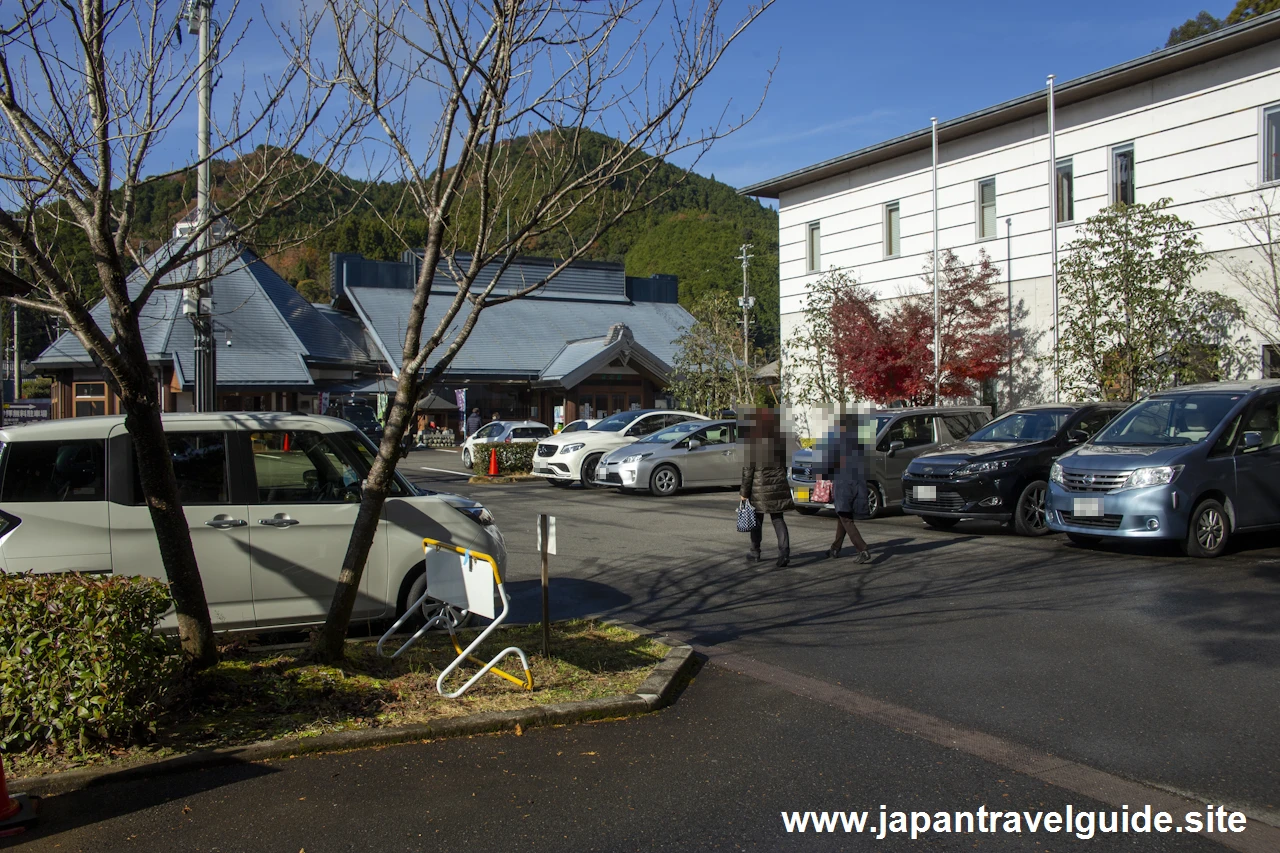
{"points": [[589, 470], [807, 510], [1208, 530], [940, 523], [1084, 541], [466, 458], [875, 501], [430, 608], [1029, 516], [664, 481]]}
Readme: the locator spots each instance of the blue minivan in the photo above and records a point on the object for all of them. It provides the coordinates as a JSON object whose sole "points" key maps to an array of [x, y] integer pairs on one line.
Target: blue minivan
{"points": [[1194, 464]]}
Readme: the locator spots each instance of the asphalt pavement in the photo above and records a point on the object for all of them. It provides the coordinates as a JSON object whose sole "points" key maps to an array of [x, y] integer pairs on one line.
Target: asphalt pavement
{"points": [[959, 669]]}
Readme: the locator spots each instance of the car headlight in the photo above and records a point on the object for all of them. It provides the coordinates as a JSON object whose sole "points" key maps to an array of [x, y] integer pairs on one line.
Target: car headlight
{"points": [[635, 457], [1159, 476], [478, 514], [1055, 474], [571, 448], [982, 467]]}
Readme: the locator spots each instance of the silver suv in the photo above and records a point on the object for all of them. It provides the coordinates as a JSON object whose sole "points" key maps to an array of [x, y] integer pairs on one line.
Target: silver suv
{"points": [[901, 435], [271, 500]]}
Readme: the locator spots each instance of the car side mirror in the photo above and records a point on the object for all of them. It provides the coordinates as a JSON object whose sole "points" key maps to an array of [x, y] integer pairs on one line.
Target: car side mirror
{"points": [[694, 444], [1252, 440], [895, 446], [1077, 436]]}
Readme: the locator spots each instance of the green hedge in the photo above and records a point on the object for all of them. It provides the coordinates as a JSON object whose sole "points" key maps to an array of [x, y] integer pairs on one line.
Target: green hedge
{"points": [[512, 458], [80, 660]]}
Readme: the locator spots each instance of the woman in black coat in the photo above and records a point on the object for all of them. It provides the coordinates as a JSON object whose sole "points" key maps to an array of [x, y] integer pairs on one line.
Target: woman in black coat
{"points": [[845, 458], [764, 478]]}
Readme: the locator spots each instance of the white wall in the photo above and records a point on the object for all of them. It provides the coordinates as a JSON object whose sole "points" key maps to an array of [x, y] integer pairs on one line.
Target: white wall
{"points": [[1196, 138]]}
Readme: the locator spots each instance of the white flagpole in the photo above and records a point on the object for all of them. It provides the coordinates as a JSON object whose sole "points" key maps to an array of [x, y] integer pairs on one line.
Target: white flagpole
{"points": [[1053, 240], [937, 330]]}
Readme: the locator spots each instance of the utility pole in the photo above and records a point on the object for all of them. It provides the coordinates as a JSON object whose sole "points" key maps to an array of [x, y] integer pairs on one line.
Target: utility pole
{"points": [[17, 354], [198, 304], [1053, 236], [3, 351], [937, 320], [746, 302]]}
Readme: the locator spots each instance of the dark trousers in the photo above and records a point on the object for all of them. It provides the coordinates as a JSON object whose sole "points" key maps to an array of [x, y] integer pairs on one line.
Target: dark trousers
{"points": [[779, 528], [845, 524]]}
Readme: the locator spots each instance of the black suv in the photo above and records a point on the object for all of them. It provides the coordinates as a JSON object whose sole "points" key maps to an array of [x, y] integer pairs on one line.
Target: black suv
{"points": [[1001, 472], [361, 416]]}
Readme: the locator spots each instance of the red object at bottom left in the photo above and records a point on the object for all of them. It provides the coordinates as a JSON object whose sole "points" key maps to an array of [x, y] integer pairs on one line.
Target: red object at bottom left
{"points": [[17, 812]]}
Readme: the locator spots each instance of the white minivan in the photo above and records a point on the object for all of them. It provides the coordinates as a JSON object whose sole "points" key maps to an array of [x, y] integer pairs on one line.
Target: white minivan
{"points": [[270, 498]]}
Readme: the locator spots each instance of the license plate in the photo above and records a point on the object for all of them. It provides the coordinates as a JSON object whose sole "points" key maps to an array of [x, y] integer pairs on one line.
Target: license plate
{"points": [[601, 471], [1087, 507], [926, 493], [802, 495]]}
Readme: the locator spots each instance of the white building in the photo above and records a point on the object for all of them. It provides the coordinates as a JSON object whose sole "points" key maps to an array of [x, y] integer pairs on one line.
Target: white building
{"points": [[1198, 123]]}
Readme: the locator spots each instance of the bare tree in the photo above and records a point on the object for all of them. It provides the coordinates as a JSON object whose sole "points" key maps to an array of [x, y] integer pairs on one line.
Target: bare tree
{"points": [[546, 118], [89, 92], [1257, 225]]}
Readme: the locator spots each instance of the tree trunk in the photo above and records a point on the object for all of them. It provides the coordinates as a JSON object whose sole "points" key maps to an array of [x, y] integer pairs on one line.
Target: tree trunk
{"points": [[329, 645], [155, 473]]}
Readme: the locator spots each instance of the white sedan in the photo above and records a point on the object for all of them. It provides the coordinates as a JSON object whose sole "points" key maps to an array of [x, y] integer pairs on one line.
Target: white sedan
{"points": [[563, 459]]}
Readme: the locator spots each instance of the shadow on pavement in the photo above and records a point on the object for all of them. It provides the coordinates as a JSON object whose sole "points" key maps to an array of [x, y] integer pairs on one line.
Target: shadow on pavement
{"points": [[133, 791], [570, 598]]}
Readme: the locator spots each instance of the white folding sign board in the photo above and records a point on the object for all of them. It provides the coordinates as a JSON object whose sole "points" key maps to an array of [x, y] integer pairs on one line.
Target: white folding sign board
{"points": [[462, 581], [551, 534]]}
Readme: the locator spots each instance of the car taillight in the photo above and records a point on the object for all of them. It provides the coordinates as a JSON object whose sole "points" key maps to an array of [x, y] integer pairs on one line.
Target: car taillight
{"points": [[506, 440]]}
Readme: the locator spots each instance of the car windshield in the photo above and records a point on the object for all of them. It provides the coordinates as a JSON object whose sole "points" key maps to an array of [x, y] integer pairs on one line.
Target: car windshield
{"points": [[1038, 425], [615, 423], [359, 414], [1157, 421], [674, 433]]}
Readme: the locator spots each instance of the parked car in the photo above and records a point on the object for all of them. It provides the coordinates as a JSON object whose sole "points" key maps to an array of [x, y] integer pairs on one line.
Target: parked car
{"points": [[1001, 472], [1194, 464], [563, 459], [359, 414], [579, 424], [519, 432], [901, 435], [271, 500], [687, 455]]}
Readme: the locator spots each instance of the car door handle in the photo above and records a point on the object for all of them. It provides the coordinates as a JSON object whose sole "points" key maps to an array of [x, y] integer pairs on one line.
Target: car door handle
{"points": [[278, 521], [223, 522]]}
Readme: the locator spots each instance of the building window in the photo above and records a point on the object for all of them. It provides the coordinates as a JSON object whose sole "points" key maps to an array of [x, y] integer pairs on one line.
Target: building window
{"points": [[987, 209], [1122, 182], [892, 230], [1270, 361], [91, 399], [1271, 144], [813, 247], [1066, 184]]}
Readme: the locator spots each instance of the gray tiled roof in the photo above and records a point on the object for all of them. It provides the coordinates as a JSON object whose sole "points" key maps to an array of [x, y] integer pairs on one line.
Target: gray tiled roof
{"points": [[270, 326], [524, 336]]}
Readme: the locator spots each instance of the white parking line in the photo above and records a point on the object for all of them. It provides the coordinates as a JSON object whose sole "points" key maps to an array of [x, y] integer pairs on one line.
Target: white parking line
{"points": [[446, 471], [442, 450]]}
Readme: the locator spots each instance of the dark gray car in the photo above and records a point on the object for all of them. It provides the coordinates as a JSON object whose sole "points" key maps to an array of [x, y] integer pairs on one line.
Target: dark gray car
{"points": [[901, 435]]}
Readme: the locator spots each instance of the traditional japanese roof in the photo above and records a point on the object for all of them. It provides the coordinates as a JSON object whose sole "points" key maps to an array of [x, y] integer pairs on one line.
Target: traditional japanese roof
{"points": [[529, 338], [267, 333], [579, 359]]}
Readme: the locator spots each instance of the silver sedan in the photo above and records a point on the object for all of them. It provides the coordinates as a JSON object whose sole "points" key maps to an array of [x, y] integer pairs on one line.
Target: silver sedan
{"points": [[687, 455]]}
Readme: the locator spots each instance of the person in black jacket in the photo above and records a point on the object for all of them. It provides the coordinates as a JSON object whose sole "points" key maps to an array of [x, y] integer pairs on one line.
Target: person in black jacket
{"points": [[844, 457], [764, 477]]}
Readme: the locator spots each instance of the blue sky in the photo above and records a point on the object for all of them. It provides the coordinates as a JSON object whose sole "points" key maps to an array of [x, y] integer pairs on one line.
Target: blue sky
{"points": [[847, 74], [852, 74]]}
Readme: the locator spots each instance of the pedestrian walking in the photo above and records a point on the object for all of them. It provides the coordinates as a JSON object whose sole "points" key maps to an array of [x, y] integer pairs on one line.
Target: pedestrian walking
{"points": [[844, 456], [764, 477], [473, 421]]}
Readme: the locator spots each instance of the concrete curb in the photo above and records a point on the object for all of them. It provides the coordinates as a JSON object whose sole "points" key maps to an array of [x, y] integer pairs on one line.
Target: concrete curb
{"points": [[502, 479], [657, 691]]}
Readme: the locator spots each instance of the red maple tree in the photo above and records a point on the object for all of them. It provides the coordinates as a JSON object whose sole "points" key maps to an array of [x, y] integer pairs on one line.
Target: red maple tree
{"points": [[884, 347]]}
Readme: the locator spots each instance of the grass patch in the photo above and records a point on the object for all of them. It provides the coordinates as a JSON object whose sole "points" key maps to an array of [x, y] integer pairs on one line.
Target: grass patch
{"points": [[254, 695]]}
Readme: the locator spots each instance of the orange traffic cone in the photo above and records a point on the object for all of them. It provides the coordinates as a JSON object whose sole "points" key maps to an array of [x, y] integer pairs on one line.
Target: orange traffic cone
{"points": [[493, 462], [16, 812]]}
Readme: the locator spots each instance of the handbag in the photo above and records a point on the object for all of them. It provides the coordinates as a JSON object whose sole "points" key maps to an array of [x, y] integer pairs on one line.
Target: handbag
{"points": [[822, 491], [746, 517]]}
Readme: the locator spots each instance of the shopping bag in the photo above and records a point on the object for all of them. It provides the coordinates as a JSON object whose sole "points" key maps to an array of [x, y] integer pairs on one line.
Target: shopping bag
{"points": [[822, 491], [746, 517]]}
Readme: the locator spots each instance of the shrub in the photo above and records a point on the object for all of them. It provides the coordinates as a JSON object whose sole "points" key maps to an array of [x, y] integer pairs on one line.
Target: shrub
{"points": [[80, 659], [512, 458]]}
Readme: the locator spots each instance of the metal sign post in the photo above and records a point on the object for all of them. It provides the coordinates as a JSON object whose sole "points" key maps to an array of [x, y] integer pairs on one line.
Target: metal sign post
{"points": [[546, 545]]}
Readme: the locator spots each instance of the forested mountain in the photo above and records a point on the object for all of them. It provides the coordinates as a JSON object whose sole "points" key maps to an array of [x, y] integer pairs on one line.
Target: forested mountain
{"points": [[693, 229]]}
